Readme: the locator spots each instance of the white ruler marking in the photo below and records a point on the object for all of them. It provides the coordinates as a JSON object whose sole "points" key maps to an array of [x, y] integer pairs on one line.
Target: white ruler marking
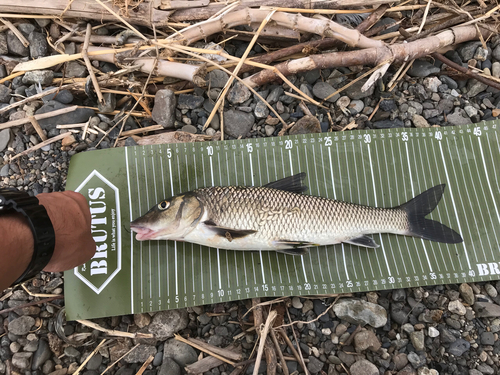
{"points": [[157, 242], [453, 202], [350, 200], [175, 242], [309, 183], [383, 197], [376, 204], [218, 269], [201, 253], [328, 196], [483, 190], [469, 199], [413, 194], [291, 171], [402, 201], [449, 217], [335, 197], [149, 242], [366, 251], [140, 212], [132, 309], [488, 178], [433, 244], [316, 177]]}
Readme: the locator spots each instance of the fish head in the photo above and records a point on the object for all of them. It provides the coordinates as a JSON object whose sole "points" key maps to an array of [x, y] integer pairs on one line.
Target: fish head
{"points": [[171, 219]]}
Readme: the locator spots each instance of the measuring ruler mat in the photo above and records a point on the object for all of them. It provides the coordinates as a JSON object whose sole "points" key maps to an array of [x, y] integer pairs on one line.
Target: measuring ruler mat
{"points": [[372, 167]]}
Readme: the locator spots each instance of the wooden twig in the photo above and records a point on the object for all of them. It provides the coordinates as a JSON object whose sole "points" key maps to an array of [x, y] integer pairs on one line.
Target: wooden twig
{"points": [[145, 365], [141, 130], [41, 144], [112, 332], [85, 128], [38, 128], [284, 367], [300, 356], [34, 303], [36, 97], [122, 20], [77, 372], [208, 363], [225, 352], [41, 116], [119, 359], [16, 32], [297, 356], [89, 66], [263, 336], [203, 349]]}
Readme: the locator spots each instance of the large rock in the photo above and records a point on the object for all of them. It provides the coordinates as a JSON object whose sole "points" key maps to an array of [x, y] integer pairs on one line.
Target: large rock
{"points": [[38, 45], [486, 310], [15, 46], [77, 116], [354, 91], [140, 354], [21, 326], [237, 123], [363, 367], [180, 352], [164, 108], [357, 311], [4, 139], [306, 125], [166, 323], [43, 77], [238, 94]]}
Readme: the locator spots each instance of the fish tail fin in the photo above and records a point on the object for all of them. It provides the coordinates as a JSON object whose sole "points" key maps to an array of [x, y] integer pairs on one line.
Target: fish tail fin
{"points": [[422, 205]]}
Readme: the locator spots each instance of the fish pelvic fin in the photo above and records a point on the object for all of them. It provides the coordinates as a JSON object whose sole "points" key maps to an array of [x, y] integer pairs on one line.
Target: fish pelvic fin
{"points": [[365, 241], [419, 207], [228, 233], [291, 183]]}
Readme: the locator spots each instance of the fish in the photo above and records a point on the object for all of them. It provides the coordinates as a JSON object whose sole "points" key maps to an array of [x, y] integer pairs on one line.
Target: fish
{"points": [[279, 217]]}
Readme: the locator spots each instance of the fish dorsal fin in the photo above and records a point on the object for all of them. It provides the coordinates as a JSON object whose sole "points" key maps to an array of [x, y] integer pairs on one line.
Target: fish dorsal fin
{"points": [[365, 241], [292, 184], [229, 233]]}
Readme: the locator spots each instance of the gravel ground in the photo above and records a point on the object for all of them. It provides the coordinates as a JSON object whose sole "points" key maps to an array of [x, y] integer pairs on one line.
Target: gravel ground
{"points": [[451, 329]]}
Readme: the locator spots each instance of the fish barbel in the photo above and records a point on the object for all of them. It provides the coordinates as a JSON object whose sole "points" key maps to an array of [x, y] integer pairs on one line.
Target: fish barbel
{"points": [[277, 216]]}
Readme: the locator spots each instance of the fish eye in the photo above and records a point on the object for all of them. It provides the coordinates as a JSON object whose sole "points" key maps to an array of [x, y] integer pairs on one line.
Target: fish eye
{"points": [[163, 205]]}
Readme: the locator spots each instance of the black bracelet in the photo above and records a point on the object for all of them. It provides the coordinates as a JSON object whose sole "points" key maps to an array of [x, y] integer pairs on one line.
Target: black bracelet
{"points": [[12, 200]]}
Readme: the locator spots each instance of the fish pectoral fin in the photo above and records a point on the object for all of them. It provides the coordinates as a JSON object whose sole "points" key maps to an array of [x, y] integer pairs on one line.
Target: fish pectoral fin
{"points": [[292, 184], [293, 247], [229, 233], [365, 241]]}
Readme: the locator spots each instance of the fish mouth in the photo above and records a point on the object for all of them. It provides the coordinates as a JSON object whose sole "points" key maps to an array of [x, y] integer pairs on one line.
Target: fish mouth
{"points": [[143, 233]]}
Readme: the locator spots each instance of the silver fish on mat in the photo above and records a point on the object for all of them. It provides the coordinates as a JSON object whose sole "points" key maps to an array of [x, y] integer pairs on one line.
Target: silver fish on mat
{"points": [[277, 216]]}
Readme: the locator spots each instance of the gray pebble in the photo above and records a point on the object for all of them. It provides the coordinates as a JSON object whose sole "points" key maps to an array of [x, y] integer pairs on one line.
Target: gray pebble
{"points": [[238, 94], [459, 347], [422, 68], [38, 45], [169, 367], [15, 46], [237, 123], [75, 70], [21, 326], [164, 108], [42, 77], [315, 365], [41, 355], [363, 367], [322, 90]]}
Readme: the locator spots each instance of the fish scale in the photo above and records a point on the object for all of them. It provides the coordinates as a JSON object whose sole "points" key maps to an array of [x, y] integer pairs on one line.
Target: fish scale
{"points": [[277, 214]]}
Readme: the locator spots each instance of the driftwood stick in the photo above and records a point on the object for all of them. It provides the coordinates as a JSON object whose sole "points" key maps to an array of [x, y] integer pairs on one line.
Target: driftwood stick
{"points": [[16, 32], [88, 64], [225, 352], [38, 128], [203, 348], [4, 311], [42, 144], [42, 116], [112, 332], [263, 337], [369, 56], [208, 363], [284, 367]]}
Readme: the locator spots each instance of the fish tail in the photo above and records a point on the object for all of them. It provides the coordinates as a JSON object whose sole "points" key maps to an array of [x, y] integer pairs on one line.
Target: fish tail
{"points": [[422, 205]]}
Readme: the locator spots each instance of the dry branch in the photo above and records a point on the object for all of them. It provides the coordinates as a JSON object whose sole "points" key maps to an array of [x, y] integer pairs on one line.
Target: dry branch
{"points": [[208, 363], [42, 116], [322, 27], [370, 56]]}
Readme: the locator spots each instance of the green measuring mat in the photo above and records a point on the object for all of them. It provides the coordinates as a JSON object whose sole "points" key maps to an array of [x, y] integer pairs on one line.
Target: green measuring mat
{"points": [[372, 167]]}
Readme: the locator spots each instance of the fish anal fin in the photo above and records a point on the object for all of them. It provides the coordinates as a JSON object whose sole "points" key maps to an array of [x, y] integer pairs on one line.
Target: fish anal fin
{"points": [[295, 251], [365, 241], [228, 233], [293, 247], [292, 184]]}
